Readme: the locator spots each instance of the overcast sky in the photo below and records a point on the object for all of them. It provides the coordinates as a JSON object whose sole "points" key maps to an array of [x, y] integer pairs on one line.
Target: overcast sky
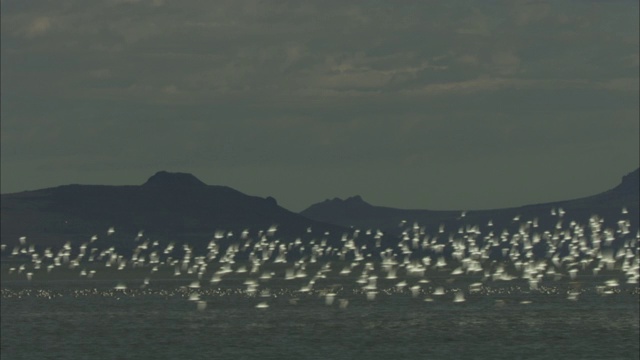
{"points": [[425, 104]]}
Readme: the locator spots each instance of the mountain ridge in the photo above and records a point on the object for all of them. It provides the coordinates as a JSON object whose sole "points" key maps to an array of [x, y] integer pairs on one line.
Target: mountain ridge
{"points": [[168, 205], [180, 206], [356, 212]]}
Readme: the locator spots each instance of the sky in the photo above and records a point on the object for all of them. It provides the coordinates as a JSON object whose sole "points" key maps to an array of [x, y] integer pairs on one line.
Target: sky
{"points": [[418, 105]]}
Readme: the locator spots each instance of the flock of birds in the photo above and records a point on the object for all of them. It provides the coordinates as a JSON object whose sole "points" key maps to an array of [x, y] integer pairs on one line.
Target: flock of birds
{"points": [[452, 265]]}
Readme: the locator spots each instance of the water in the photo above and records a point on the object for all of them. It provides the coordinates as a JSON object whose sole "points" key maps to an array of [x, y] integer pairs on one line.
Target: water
{"points": [[262, 298], [63, 318]]}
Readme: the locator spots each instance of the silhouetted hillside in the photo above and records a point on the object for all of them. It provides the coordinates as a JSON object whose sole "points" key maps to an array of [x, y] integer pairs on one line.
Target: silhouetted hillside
{"points": [[354, 211], [172, 206]]}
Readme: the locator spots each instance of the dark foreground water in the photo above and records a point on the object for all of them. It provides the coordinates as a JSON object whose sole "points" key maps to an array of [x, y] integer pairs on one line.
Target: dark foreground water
{"points": [[91, 320]]}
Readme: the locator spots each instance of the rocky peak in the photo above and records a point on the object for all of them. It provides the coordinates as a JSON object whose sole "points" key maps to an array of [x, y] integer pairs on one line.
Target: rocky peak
{"points": [[169, 180], [353, 201], [630, 182]]}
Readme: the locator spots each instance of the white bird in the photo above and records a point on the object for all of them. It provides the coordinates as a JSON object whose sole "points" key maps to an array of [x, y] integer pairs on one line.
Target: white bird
{"points": [[328, 299], [120, 286], [262, 305]]}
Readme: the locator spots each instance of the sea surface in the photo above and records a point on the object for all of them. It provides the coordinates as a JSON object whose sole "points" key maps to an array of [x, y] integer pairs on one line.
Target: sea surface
{"points": [[117, 316]]}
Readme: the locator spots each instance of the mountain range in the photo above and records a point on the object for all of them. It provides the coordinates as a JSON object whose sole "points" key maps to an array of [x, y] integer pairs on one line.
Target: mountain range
{"points": [[168, 206], [608, 205], [180, 207]]}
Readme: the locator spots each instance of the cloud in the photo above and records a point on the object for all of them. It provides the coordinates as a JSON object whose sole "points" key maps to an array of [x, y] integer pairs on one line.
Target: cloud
{"points": [[233, 85], [231, 48], [475, 24], [38, 26], [505, 62], [622, 84], [529, 12], [135, 30]]}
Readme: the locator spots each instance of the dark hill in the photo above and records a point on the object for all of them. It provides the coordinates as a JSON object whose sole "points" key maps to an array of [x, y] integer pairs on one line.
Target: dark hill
{"points": [[172, 181], [354, 211], [171, 206]]}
